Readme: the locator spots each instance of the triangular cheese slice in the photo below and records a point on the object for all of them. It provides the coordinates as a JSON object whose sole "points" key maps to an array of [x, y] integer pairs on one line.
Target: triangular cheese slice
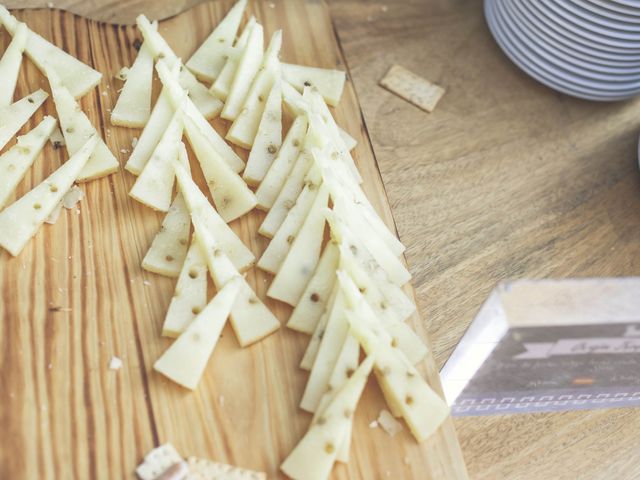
{"points": [[14, 116], [190, 294], [169, 247], [250, 318], [20, 221], [280, 244], [268, 139], [281, 167], [134, 102], [423, 410], [195, 123], [302, 259], [248, 67], [349, 142], [313, 301], [156, 125], [205, 215], [222, 86], [76, 76], [10, 65], [185, 360], [314, 342], [244, 128], [77, 128], [15, 162], [209, 58], [330, 83], [154, 186], [314, 456]]}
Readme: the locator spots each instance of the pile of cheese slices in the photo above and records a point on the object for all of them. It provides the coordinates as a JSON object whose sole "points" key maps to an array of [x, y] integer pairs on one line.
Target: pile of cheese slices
{"points": [[89, 156]]}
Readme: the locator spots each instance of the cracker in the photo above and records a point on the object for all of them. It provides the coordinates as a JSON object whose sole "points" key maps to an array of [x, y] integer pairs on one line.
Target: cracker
{"points": [[159, 461], [201, 469], [414, 89]]}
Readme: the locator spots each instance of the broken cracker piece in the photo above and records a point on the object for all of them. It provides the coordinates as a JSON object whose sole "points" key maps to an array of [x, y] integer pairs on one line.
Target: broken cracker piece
{"points": [[159, 461], [201, 469], [388, 423], [413, 88]]}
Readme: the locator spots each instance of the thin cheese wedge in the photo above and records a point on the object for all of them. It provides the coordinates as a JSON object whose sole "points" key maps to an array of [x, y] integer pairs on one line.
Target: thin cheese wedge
{"points": [[15, 162], [280, 245], [156, 125], [422, 409], [190, 294], [313, 301], [302, 259], [407, 340], [294, 104], [134, 103], [314, 456], [248, 67], [208, 60], [169, 247], [222, 85], [77, 128], [268, 139], [335, 334], [76, 76], [330, 83], [314, 342], [208, 105], [20, 221], [14, 116], [10, 65], [205, 215], [250, 318], [281, 167], [244, 128], [154, 186], [185, 360], [349, 142], [195, 123]]}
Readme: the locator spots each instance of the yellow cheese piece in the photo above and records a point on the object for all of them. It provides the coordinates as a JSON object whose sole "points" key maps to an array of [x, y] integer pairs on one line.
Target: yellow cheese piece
{"points": [[10, 65], [14, 116], [20, 221], [330, 83], [15, 162], [185, 360], [314, 342]]}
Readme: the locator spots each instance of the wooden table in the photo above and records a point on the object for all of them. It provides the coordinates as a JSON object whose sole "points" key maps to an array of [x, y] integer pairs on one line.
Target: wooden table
{"points": [[506, 179]]}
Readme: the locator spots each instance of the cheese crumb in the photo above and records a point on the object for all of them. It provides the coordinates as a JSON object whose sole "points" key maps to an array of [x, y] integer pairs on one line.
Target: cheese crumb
{"points": [[54, 215], [388, 423], [146, 282], [373, 424], [50, 4], [72, 197], [384, 8], [134, 142], [115, 363]]}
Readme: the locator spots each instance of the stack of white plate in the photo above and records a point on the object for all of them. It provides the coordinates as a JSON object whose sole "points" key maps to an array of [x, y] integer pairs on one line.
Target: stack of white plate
{"points": [[585, 48]]}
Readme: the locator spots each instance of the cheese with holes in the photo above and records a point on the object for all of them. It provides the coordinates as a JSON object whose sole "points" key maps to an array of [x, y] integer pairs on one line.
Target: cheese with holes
{"points": [[185, 360], [330, 83], [20, 221], [14, 116], [15, 162], [10, 65]]}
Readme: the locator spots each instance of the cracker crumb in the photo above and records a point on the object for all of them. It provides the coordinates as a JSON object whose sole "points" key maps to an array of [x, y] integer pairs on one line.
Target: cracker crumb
{"points": [[115, 363], [373, 424]]}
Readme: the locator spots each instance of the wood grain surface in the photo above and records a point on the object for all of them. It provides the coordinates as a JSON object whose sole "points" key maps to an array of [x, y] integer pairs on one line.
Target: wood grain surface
{"points": [[76, 296]]}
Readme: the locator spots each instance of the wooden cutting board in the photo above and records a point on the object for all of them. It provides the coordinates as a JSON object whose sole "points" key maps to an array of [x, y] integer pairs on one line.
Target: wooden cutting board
{"points": [[76, 296]]}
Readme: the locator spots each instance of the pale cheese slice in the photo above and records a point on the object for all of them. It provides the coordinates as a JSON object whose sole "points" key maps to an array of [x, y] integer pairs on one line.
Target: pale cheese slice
{"points": [[185, 360], [200, 469], [15, 162], [20, 221], [205, 215], [268, 139], [349, 142], [190, 294], [244, 128], [407, 340], [330, 83], [335, 334], [280, 244], [231, 195], [222, 85], [303, 256], [134, 102], [313, 301], [248, 66], [154, 186], [193, 119], [293, 102], [14, 116], [10, 65], [314, 342], [281, 167], [250, 318], [77, 128], [423, 410], [208, 60], [76, 76], [156, 125], [314, 456]]}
